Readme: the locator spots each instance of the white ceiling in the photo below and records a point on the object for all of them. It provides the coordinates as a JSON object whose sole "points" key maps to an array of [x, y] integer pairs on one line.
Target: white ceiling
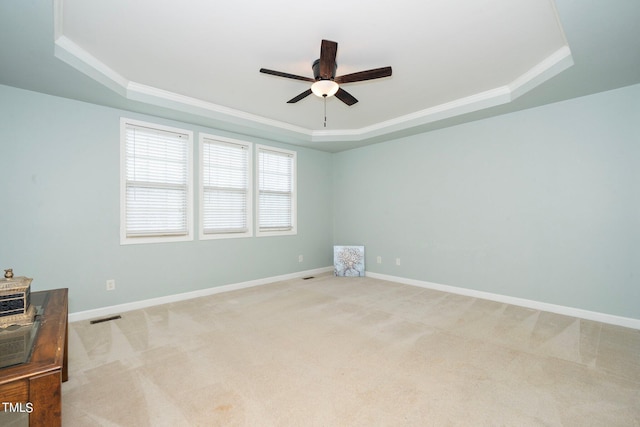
{"points": [[198, 60]]}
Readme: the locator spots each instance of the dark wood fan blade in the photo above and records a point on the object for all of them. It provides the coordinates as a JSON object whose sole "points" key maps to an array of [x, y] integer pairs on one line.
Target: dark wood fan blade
{"points": [[345, 97], [328, 51], [299, 97], [376, 73], [287, 75]]}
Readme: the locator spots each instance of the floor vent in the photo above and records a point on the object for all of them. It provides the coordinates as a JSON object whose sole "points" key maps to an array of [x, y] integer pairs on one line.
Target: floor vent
{"points": [[105, 319], [307, 278]]}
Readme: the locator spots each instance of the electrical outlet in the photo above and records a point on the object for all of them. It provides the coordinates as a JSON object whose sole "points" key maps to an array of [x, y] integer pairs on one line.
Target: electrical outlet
{"points": [[379, 259], [111, 284], [300, 258], [397, 261]]}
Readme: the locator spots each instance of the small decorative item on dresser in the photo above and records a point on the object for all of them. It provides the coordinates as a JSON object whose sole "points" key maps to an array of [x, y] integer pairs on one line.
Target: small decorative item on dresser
{"points": [[15, 302], [8, 273]]}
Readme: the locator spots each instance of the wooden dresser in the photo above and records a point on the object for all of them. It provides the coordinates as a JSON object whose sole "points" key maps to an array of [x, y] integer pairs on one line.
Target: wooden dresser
{"points": [[34, 386]]}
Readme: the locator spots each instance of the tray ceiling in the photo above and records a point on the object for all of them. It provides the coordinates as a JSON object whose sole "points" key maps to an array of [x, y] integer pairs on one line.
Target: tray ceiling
{"points": [[198, 61]]}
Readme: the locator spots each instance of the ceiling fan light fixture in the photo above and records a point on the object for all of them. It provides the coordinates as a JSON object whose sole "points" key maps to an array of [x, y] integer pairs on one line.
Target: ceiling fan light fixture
{"points": [[325, 88]]}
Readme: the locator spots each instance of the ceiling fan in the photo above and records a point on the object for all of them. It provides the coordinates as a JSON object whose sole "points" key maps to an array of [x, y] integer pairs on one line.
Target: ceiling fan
{"points": [[324, 81]]}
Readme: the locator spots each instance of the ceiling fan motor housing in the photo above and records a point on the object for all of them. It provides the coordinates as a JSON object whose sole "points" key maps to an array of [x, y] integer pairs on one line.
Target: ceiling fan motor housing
{"points": [[316, 70]]}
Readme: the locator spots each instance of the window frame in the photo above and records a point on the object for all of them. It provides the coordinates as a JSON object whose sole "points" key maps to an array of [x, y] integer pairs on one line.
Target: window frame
{"points": [[294, 186], [249, 196], [159, 237]]}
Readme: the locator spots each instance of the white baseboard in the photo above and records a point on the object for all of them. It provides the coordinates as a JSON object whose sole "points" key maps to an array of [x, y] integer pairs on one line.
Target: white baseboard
{"points": [[627, 322], [536, 305], [121, 308]]}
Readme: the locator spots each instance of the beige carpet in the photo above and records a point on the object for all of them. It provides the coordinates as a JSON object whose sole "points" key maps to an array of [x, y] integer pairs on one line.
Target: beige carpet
{"points": [[350, 352]]}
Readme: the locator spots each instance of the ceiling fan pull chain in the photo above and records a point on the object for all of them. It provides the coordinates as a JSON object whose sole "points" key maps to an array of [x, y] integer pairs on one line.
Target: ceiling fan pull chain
{"points": [[325, 110]]}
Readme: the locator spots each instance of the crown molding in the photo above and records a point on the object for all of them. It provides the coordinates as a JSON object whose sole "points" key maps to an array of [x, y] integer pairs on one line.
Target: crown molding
{"points": [[551, 66], [69, 52]]}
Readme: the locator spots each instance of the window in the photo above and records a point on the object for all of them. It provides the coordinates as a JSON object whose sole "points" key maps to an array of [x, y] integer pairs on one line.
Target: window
{"points": [[225, 188], [276, 199], [156, 181]]}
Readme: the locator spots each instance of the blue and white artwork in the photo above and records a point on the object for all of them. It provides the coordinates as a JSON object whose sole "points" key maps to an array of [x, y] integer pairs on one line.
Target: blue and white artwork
{"points": [[348, 261]]}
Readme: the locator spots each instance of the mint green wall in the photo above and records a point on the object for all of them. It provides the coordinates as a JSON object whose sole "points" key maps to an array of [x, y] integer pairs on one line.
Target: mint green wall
{"points": [[542, 204], [59, 223]]}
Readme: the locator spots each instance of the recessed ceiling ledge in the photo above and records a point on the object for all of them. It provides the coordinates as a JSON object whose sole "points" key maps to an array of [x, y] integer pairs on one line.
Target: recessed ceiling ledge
{"points": [[74, 55]]}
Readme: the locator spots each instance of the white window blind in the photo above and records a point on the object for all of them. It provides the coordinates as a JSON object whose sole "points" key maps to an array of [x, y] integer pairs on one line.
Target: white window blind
{"points": [[225, 180], [276, 190], [156, 181]]}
